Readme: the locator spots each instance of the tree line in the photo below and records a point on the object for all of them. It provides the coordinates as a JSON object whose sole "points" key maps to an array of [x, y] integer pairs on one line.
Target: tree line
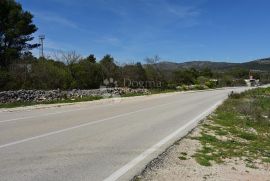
{"points": [[71, 71], [19, 69]]}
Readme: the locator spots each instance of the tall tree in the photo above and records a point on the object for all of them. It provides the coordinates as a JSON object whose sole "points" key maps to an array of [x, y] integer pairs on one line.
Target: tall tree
{"points": [[134, 72], [91, 58], [16, 28], [87, 75], [110, 69]]}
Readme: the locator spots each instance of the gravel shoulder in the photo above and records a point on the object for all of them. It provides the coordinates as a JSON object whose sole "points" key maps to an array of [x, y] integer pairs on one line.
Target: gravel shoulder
{"points": [[177, 163], [230, 144]]}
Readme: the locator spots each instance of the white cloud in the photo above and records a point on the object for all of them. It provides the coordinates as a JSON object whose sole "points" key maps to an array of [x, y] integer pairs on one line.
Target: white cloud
{"points": [[182, 11], [56, 19], [165, 7], [109, 40]]}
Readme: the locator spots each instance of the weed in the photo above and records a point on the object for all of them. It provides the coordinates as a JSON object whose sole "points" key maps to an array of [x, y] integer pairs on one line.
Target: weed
{"points": [[241, 119], [182, 158]]}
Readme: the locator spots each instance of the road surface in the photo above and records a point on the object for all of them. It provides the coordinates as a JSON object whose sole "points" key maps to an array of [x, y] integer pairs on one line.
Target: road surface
{"points": [[102, 140]]}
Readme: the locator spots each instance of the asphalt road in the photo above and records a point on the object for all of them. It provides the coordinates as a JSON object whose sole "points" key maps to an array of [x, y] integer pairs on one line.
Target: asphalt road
{"points": [[100, 140]]}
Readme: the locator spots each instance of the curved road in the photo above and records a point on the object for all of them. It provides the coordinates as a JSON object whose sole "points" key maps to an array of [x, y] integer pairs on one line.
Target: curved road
{"points": [[101, 140]]}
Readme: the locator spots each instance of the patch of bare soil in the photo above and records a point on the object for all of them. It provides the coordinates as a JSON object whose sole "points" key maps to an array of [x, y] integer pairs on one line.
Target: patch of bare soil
{"points": [[178, 164]]}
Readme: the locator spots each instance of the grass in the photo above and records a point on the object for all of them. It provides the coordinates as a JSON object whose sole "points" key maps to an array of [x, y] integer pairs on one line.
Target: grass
{"points": [[22, 104], [238, 128]]}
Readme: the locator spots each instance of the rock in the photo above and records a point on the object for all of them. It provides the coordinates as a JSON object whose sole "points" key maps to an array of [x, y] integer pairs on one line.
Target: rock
{"points": [[51, 95]]}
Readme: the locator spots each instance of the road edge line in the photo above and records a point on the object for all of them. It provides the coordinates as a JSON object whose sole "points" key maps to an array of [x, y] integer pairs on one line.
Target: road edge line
{"points": [[123, 170]]}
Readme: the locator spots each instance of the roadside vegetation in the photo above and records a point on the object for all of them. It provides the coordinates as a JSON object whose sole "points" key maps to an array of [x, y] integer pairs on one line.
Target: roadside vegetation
{"points": [[240, 128]]}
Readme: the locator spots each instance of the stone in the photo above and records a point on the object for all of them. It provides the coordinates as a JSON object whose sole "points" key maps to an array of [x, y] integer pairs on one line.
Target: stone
{"points": [[52, 95]]}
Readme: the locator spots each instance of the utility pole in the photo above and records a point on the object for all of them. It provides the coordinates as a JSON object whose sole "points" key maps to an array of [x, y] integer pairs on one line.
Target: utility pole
{"points": [[41, 40]]}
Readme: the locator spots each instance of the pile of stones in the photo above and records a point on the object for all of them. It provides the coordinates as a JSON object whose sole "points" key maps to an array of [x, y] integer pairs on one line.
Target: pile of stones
{"points": [[52, 95]]}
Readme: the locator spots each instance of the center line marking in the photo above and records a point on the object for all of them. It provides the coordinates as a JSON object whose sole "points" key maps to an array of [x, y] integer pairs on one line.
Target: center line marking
{"points": [[78, 126], [59, 112]]}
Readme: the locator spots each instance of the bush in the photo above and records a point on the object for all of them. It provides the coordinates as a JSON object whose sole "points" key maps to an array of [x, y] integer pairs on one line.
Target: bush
{"points": [[87, 75], [172, 86], [210, 84], [49, 75]]}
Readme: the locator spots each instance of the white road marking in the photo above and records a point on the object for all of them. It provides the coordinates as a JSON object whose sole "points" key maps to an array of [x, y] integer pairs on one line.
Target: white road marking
{"points": [[48, 114], [60, 112], [120, 172], [79, 126]]}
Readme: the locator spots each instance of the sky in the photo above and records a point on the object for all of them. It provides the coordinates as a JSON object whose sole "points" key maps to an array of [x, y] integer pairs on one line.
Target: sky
{"points": [[175, 30]]}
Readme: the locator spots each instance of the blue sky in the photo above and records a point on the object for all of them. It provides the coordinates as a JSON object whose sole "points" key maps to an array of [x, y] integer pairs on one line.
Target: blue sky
{"points": [[176, 30]]}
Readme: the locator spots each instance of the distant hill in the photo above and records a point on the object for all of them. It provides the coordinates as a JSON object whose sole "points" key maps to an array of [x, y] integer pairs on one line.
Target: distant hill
{"points": [[260, 64]]}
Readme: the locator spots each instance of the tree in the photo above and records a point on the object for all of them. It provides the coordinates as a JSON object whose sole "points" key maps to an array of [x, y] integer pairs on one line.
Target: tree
{"points": [[187, 76], [226, 80], [140, 71], [91, 58], [202, 80], [239, 73], [152, 60], [48, 74], [16, 28], [4, 79], [152, 70], [87, 75], [133, 72], [70, 57], [110, 69], [206, 72]]}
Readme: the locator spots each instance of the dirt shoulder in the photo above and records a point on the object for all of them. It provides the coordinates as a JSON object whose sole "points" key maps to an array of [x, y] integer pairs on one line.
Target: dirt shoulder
{"points": [[231, 144], [178, 163]]}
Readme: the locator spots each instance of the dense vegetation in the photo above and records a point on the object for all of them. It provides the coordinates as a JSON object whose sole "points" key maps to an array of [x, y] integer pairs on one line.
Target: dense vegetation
{"points": [[28, 72], [68, 70]]}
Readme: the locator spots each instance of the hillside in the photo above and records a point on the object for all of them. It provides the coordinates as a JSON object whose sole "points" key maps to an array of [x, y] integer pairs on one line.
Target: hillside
{"points": [[260, 64]]}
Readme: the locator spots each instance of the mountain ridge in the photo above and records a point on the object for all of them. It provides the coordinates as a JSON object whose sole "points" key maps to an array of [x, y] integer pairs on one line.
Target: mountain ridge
{"points": [[258, 64]]}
